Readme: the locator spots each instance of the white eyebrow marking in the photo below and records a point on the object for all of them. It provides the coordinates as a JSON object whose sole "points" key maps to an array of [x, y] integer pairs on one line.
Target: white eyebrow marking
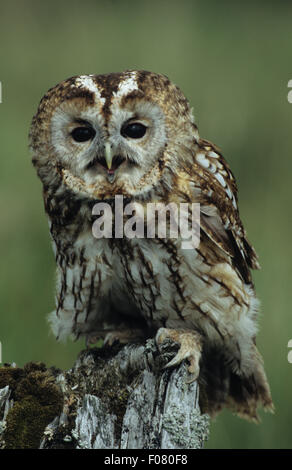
{"points": [[127, 85], [85, 81]]}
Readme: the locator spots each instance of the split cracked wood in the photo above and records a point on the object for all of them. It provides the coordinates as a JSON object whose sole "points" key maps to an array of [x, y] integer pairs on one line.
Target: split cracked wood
{"points": [[121, 398]]}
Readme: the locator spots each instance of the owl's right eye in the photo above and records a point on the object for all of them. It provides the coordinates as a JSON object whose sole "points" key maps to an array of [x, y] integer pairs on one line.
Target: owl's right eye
{"points": [[82, 134]]}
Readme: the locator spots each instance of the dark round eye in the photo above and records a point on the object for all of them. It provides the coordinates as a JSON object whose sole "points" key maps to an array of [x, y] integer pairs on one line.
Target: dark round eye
{"points": [[82, 134], [135, 130]]}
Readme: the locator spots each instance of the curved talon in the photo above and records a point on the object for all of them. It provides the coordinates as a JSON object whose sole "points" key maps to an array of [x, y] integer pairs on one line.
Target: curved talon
{"points": [[190, 349], [111, 338]]}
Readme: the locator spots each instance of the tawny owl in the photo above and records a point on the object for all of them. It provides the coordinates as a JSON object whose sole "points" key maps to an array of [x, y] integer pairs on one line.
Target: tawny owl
{"points": [[132, 134]]}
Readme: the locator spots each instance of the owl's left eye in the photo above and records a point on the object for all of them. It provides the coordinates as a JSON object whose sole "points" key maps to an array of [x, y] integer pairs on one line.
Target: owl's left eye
{"points": [[82, 134], [134, 130]]}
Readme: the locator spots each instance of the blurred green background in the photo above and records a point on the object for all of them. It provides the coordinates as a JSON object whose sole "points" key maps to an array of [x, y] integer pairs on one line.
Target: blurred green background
{"points": [[233, 62]]}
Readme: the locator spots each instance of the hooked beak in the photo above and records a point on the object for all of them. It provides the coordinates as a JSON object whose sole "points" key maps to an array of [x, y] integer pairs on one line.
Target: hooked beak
{"points": [[108, 155]]}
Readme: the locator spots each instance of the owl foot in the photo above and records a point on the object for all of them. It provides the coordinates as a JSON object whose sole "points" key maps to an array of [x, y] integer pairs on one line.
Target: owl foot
{"points": [[123, 336], [190, 348], [110, 337]]}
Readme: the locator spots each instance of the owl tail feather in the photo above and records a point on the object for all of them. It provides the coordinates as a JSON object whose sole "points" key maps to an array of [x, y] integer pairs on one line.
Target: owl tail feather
{"points": [[221, 387]]}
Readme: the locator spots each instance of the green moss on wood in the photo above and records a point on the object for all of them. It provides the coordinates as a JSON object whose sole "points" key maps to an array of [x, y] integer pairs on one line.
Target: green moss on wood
{"points": [[37, 400]]}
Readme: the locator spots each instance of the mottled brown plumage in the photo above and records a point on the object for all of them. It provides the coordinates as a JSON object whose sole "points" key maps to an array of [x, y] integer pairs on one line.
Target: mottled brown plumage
{"points": [[128, 288]]}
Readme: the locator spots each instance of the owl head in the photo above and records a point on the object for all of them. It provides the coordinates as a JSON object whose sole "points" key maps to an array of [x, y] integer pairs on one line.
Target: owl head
{"points": [[109, 134]]}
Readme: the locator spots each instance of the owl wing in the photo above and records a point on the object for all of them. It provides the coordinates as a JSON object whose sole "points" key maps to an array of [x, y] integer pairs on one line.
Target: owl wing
{"points": [[215, 189]]}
